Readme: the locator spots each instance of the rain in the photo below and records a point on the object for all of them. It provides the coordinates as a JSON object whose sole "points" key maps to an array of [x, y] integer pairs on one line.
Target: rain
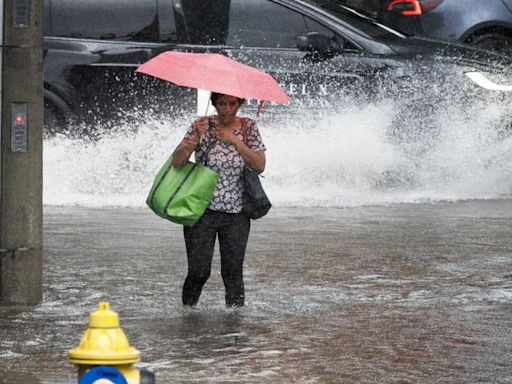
{"points": [[386, 257]]}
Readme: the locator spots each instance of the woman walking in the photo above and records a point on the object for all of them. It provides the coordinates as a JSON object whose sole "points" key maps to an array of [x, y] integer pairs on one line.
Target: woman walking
{"points": [[226, 143]]}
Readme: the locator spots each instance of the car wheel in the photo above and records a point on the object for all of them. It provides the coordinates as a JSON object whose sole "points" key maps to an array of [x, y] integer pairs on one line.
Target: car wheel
{"points": [[498, 42]]}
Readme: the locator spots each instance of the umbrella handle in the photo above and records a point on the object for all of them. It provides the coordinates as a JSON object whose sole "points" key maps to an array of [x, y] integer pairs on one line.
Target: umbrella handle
{"points": [[206, 114], [208, 104]]}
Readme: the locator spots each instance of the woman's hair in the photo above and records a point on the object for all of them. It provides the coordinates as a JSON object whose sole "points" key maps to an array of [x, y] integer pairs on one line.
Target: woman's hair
{"points": [[216, 95]]}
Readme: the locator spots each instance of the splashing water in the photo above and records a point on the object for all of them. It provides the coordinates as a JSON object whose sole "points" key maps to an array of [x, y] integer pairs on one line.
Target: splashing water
{"points": [[347, 158]]}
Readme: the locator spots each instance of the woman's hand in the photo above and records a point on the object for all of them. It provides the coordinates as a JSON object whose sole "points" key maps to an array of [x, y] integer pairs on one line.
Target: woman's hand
{"points": [[226, 134], [187, 146], [201, 126]]}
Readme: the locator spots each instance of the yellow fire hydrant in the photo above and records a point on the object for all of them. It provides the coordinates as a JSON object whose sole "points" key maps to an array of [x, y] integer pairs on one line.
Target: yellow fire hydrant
{"points": [[105, 344]]}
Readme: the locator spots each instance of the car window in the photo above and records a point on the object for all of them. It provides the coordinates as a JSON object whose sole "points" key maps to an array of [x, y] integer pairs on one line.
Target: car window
{"points": [[254, 23], [131, 20], [202, 22], [371, 7], [166, 21], [362, 23], [46, 18], [261, 23]]}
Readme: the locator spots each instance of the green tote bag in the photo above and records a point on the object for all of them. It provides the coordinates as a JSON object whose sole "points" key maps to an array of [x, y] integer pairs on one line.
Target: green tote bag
{"points": [[182, 194]]}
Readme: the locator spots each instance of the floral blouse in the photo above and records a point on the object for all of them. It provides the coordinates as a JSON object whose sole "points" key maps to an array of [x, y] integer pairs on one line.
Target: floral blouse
{"points": [[227, 162]]}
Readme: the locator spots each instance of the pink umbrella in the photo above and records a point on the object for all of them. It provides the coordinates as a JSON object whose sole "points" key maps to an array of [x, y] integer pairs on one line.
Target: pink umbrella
{"points": [[216, 73]]}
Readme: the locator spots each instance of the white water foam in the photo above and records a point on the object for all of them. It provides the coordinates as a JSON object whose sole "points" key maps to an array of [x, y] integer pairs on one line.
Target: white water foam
{"points": [[348, 158]]}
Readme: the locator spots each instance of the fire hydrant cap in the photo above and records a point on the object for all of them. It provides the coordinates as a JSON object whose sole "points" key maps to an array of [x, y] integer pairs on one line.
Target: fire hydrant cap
{"points": [[104, 342], [103, 317]]}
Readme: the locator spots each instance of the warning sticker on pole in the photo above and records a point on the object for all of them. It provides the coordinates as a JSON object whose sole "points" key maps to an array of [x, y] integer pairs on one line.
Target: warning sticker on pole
{"points": [[19, 127]]}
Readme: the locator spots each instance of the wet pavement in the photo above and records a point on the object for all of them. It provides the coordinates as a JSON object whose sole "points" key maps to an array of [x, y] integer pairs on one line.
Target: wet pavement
{"points": [[406, 293]]}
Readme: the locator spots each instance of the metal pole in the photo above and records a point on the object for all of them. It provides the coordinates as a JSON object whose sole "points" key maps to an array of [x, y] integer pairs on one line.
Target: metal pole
{"points": [[21, 139], [1, 118]]}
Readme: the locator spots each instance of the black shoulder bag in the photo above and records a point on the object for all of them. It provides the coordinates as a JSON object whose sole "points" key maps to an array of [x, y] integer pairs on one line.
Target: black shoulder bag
{"points": [[255, 201]]}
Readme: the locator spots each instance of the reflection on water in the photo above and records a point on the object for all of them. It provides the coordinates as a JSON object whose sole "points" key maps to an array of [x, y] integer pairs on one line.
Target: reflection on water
{"points": [[417, 293]]}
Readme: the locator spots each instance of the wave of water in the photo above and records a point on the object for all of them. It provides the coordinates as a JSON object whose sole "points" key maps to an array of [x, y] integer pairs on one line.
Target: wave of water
{"points": [[347, 158]]}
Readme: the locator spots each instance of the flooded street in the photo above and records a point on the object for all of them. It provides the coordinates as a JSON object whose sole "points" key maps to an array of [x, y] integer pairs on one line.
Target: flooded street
{"points": [[387, 255], [404, 293]]}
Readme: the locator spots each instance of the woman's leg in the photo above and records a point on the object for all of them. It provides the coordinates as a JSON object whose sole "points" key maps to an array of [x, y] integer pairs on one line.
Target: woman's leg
{"points": [[200, 242], [233, 236]]}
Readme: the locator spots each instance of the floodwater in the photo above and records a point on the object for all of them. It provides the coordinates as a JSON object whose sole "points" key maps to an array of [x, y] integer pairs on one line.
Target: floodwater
{"points": [[403, 293], [387, 257]]}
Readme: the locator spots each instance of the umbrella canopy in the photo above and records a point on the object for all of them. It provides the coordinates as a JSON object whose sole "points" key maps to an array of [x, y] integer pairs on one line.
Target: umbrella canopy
{"points": [[216, 73]]}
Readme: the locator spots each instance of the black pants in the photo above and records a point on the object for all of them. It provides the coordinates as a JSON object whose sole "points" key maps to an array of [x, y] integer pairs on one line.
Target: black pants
{"points": [[233, 232]]}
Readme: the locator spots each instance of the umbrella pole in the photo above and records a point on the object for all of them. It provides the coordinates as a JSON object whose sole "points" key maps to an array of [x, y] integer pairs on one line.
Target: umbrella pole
{"points": [[208, 104], [206, 114]]}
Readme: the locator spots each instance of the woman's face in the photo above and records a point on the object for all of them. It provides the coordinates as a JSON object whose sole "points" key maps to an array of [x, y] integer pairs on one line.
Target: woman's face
{"points": [[227, 107]]}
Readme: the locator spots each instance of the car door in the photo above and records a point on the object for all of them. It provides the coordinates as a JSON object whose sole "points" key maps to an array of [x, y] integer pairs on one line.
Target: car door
{"points": [[265, 35], [90, 46]]}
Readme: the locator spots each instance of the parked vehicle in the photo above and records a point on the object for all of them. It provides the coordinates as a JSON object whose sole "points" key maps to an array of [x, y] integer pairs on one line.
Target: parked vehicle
{"points": [[326, 55], [484, 24]]}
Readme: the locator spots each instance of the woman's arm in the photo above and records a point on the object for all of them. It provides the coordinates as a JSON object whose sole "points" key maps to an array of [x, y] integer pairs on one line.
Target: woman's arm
{"points": [[255, 160], [184, 150]]}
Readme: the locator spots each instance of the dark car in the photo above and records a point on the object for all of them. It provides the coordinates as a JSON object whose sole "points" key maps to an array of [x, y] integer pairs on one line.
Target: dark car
{"points": [[485, 24], [327, 57]]}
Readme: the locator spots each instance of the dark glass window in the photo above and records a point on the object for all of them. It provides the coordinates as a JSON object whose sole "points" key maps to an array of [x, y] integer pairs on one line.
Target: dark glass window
{"points": [[46, 18], [202, 22], [166, 21], [247, 23], [371, 7], [132, 20], [261, 23], [364, 24]]}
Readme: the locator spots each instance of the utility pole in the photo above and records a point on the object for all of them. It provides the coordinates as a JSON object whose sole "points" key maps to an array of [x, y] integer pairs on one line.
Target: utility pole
{"points": [[21, 160]]}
